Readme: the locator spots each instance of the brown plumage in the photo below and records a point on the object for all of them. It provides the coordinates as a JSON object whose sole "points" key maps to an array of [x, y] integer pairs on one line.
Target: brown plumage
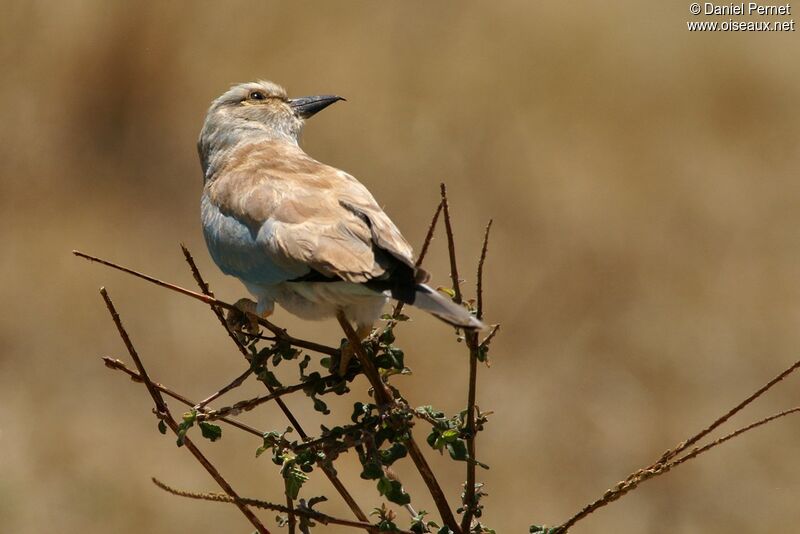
{"points": [[297, 231]]}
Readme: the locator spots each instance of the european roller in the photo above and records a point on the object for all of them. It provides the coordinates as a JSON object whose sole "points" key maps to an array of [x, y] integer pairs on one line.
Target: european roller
{"points": [[296, 231]]}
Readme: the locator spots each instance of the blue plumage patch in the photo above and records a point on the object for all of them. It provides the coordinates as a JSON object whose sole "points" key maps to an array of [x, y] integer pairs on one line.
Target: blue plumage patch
{"points": [[240, 252]]}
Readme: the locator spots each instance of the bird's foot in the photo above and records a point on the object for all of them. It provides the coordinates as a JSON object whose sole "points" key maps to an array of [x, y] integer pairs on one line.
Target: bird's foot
{"points": [[348, 351], [243, 320]]}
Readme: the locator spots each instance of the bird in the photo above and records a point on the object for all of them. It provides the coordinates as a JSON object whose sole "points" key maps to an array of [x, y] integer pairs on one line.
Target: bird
{"points": [[296, 231]]}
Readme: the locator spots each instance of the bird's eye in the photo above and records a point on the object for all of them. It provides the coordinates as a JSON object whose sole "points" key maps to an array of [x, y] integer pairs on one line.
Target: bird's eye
{"points": [[257, 95]]}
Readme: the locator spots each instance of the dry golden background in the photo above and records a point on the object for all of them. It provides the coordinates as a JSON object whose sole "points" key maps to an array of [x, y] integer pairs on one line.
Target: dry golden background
{"points": [[644, 262]]}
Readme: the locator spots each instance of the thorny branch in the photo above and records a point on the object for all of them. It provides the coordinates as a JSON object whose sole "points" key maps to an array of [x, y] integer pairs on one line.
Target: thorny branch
{"points": [[112, 363], [422, 253], [667, 460], [451, 246], [256, 503], [330, 473], [280, 332], [470, 505], [164, 414], [385, 396]]}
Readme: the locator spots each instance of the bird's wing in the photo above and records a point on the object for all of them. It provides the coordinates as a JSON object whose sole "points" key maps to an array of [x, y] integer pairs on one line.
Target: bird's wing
{"points": [[304, 212]]}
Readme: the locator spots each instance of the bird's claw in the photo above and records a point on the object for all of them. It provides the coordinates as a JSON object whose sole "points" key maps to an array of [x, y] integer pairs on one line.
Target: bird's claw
{"points": [[243, 320], [363, 333]]}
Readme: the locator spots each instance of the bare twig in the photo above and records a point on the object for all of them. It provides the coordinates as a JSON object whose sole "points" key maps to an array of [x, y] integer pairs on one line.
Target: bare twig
{"points": [[423, 251], [451, 247], [666, 462], [433, 485], [219, 414], [249, 404], [290, 513], [474, 349], [206, 290], [316, 442], [736, 409], [481, 261], [235, 383], [281, 333], [204, 287], [384, 397], [305, 512], [635, 479], [329, 471], [719, 441], [112, 363], [488, 339], [166, 416]]}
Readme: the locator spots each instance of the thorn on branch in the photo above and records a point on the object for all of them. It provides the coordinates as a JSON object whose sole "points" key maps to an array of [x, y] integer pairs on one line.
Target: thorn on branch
{"points": [[482, 260], [398, 308], [451, 247]]}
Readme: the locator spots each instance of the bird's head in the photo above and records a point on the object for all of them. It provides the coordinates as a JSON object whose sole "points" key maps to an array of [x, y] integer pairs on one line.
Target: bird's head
{"points": [[254, 111]]}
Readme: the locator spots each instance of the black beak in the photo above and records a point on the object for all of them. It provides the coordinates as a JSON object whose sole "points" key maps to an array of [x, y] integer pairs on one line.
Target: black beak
{"points": [[307, 106]]}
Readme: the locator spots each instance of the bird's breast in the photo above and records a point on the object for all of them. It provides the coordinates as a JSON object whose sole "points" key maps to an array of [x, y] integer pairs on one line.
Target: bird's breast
{"points": [[242, 251]]}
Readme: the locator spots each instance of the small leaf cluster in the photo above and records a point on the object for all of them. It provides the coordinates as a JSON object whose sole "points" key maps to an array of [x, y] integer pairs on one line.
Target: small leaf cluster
{"points": [[294, 466], [390, 360], [450, 433], [386, 519], [475, 505], [382, 442], [208, 430], [419, 525], [315, 385]]}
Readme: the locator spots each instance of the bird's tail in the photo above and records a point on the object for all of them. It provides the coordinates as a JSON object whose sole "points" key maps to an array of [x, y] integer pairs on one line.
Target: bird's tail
{"points": [[433, 302]]}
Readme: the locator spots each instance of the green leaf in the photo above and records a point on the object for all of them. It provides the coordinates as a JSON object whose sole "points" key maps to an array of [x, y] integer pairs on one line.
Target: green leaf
{"points": [[293, 485], [210, 432], [432, 438], [293, 478], [387, 337], [397, 357], [188, 419], [372, 470], [449, 435], [325, 362], [320, 406], [258, 359], [316, 384], [269, 378], [162, 427], [393, 491], [458, 450], [393, 453]]}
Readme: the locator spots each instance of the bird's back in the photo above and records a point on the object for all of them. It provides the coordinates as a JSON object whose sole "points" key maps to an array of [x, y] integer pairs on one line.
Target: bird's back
{"points": [[301, 215]]}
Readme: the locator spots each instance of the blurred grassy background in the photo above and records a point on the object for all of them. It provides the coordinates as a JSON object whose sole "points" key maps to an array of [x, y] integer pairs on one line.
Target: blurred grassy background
{"points": [[644, 262]]}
